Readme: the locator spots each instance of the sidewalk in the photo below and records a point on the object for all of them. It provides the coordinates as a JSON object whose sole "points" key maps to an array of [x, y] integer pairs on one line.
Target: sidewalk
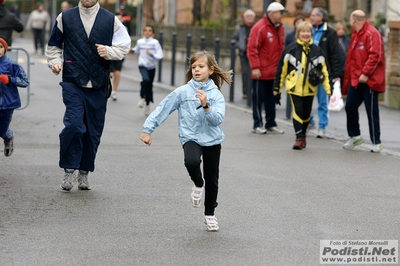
{"points": [[336, 130]]}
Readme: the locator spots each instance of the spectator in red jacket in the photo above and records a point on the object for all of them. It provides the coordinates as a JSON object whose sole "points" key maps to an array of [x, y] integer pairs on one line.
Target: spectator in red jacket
{"points": [[364, 79], [264, 48]]}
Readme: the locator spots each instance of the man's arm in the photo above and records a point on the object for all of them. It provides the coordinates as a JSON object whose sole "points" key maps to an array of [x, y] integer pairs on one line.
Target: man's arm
{"points": [[121, 42]]}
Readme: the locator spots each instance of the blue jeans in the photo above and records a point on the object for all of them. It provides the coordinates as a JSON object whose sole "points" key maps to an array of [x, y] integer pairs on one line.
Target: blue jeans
{"points": [[5, 119], [323, 114]]}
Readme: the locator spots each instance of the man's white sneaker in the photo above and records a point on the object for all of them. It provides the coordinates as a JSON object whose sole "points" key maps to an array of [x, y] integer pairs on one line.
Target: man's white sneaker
{"points": [[66, 184], [259, 130], [141, 103], [195, 196], [146, 110], [83, 180], [376, 148], [321, 133], [212, 223], [352, 142], [275, 130]]}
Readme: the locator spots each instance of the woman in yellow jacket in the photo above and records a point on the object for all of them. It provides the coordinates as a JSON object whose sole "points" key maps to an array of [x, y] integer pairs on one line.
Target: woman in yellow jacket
{"points": [[293, 72]]}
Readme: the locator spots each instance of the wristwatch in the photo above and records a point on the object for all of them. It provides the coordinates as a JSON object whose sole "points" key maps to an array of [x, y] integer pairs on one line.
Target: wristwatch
{"points": [[206, 106]]}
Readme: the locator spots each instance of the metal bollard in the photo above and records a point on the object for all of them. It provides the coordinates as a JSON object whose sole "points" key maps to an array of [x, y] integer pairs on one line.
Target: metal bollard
{"points": [[188, 46], [202, 43], [233, 57], [160, 40], [216, 54], [173, 60]]}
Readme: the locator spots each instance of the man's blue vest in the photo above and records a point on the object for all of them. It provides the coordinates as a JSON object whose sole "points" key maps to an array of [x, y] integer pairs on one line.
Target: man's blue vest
{"points": [[81, 60]]}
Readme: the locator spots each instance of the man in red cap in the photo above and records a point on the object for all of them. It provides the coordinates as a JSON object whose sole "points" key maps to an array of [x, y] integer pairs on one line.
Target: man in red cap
{"points": [[12, 76], [8, 23]]}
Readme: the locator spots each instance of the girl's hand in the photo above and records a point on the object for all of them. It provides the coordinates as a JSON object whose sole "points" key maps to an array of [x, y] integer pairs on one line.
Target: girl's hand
{"points": [[202, 97], [146, 138]]}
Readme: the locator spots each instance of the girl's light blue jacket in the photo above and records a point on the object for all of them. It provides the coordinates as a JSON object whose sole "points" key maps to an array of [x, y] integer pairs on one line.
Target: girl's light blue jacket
{"points": [[193, 123]]}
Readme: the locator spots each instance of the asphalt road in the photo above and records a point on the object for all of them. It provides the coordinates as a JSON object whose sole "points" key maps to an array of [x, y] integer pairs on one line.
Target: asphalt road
{"points": [[275, 204]]}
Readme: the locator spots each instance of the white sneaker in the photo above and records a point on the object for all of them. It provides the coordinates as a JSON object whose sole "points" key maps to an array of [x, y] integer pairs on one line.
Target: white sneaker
{"points": [[211, 222], [146, 110], [83, 180], [114, 96], [275, 130], [259, 130], [69, 177], [141, 103], [321, 133], [352, 142], [196, 195], [376, 148]]}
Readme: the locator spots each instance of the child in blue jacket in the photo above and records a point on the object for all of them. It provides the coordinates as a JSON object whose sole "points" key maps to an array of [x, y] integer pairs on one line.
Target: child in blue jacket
{"points": [[12, 76], [201, 110]]}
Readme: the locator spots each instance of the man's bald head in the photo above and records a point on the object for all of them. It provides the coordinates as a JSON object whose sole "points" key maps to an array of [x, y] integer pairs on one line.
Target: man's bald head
{"points": [[357, 19], [358, 15]]}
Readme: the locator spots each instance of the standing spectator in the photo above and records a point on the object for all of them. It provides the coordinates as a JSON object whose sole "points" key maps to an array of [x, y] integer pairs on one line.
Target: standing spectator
{"points": [[364, 79], [343, 40], [14, 9], [8, 23], [83, 51], [265, 46], [39, 23], [291, 36], [240, 36], [294, 66], [11, 76], [65, 6], [326, 38], [201, 110], [150, 51]]}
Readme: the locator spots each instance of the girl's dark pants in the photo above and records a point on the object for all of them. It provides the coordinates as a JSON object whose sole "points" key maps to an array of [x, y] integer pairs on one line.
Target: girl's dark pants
{"points": [[211, 157]]}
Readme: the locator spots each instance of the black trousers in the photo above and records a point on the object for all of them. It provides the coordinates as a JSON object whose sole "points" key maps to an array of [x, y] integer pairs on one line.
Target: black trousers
{"points": [[263, 96], [38, 39], [302, 107], [211, 157], [355, 96], [146, 86]]}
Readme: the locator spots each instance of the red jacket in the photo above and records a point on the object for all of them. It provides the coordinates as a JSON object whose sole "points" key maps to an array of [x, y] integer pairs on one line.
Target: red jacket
{"points": [[366, 55], [265, 46]]}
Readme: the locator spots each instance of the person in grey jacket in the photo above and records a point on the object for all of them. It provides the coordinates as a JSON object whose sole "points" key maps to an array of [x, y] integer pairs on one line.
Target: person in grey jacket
{"points": [[240, 36], [201, 110]]}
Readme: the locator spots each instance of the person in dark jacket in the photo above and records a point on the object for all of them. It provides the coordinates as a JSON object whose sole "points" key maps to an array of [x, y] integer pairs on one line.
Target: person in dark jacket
{"points": [[344, 41], [293, 73], [8, 23], [240, 36], [326, 38], [83, 51], [291, 36], [11, 76]]}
